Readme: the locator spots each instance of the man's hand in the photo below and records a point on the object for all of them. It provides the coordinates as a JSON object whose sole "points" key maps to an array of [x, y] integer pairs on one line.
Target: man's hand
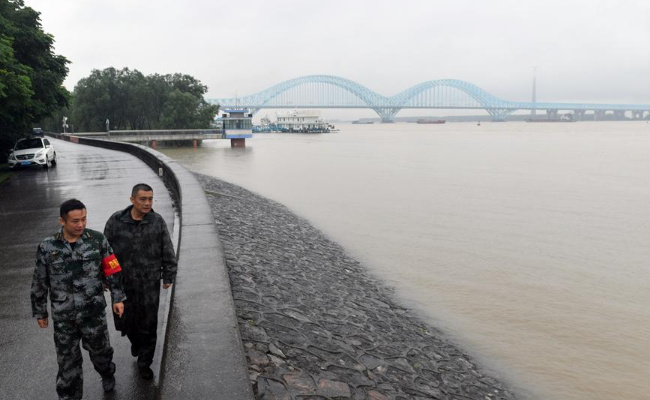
{"points": [[118, 308], [166, 285], [43, 323]]}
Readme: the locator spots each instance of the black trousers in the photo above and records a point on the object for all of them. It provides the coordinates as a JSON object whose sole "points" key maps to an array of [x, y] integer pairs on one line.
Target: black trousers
{"points": [[140, 319]]}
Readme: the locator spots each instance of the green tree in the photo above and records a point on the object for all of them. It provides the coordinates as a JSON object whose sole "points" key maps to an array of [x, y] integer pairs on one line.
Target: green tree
{"points": [[131, 100], [135, 100], [158, 89], [186, 84], [31, 75], [117, 95], [197, 113]]}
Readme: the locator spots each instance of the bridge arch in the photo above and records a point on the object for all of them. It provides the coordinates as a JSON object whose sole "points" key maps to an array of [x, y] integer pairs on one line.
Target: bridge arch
{"points": [[264, 98], [495, 106], [369, 97]]}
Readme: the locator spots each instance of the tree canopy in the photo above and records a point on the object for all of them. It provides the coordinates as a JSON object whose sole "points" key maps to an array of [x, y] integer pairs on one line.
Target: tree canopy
{"points": [[131, 100], [31, 75]]}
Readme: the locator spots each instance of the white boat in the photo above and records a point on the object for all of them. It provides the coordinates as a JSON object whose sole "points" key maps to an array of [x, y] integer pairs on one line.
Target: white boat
{"points": [[302, 121]]}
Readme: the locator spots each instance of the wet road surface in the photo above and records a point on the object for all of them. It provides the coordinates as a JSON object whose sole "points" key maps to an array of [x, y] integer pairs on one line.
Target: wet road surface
{"points": [[29, 207]]}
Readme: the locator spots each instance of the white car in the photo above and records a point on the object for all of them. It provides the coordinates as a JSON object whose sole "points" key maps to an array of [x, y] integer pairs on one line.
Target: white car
{"points": [[32, 151]]}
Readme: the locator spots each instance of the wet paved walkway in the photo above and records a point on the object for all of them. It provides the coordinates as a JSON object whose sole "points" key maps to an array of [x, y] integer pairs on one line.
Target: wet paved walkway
{"points": [[29, 207]]}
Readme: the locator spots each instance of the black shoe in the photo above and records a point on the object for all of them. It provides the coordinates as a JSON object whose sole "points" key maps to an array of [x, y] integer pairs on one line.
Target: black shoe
{"points": [[146, 373], [134, 351], [108, 383]]}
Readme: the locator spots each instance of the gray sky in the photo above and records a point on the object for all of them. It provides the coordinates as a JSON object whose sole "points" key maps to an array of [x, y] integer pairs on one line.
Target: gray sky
{"points": [[585, 50]]}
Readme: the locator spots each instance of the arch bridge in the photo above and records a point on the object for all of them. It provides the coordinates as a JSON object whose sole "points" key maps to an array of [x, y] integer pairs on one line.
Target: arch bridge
{"points": [[327, 91]]}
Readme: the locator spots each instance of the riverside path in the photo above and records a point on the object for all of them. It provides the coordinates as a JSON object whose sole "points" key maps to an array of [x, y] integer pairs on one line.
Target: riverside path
{"points": [[29, 207]]}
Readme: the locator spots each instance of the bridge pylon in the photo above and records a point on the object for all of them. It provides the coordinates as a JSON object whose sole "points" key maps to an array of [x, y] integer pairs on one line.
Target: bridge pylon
{"points": [[499, 114], [387, 114]]}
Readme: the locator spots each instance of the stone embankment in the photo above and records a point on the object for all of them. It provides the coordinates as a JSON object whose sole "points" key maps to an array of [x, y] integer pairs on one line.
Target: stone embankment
{"points": [[315, 325]]}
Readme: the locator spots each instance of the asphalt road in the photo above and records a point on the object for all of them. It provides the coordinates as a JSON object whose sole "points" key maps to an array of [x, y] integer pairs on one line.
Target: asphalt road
{"points": [[29, 207]]}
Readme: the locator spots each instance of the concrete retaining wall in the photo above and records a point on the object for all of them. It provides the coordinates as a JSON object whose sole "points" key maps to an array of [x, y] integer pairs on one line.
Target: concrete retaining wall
{"points": [[203, 355]]}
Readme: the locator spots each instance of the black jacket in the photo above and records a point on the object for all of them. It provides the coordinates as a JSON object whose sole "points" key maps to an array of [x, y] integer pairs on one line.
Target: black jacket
{"points": [[144, 249]]}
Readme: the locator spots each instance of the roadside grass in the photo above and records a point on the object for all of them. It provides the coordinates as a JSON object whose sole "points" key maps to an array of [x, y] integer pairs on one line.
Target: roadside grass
{"points": [[5, 172]]}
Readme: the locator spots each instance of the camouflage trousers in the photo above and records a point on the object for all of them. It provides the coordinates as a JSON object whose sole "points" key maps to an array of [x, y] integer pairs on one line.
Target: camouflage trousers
{"points": [[93, 334]]}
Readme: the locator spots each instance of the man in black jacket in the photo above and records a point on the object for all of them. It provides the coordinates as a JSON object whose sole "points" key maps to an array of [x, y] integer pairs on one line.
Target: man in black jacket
{"points": [[141, 242]]}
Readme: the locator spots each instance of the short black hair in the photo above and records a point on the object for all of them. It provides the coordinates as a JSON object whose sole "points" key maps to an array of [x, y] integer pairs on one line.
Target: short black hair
{"points": [[139, 187], [69, 205]]}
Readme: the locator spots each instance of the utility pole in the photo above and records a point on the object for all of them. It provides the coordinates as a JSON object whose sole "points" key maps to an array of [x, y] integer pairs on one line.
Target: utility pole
{"points": [[534, 101]]}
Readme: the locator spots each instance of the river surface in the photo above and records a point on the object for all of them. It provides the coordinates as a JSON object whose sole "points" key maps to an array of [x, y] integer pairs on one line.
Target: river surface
{"points": [[528, 243]]}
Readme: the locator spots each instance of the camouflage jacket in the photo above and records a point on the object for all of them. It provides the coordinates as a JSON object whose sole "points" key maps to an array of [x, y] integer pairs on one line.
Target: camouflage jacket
{"points": [[144, 249], [74, 279]]}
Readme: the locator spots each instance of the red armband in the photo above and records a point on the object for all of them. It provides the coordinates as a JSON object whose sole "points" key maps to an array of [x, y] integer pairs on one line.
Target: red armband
{"points": [[111, 265]]}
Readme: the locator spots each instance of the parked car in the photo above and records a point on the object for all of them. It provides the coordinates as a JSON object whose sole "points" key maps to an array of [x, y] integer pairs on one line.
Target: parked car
{"points": [[32, 151]]}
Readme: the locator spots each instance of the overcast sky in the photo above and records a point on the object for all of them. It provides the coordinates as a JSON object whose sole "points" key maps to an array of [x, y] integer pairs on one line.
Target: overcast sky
{"points": [[585, 50]]}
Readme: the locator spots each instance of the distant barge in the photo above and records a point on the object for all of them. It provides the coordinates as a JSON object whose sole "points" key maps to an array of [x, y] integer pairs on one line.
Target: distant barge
{"points": [[561, 118], [431, 121], [550, 120]]}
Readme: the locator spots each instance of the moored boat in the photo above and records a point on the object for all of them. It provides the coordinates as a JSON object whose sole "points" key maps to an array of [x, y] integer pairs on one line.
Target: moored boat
{"points": [[303, 121]]}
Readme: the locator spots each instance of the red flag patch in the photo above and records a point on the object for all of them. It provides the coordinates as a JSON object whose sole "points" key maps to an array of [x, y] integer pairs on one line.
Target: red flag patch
{"points": [[111, 265]]}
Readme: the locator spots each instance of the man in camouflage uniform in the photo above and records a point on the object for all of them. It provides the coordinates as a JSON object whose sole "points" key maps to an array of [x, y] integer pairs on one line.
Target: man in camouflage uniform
{"points": [[73, 266], [142, 243]]}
